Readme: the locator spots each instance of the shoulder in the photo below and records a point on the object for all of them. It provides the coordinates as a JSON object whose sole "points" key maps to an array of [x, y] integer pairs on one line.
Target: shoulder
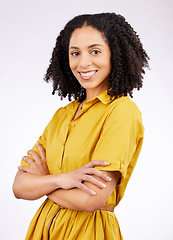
{"points": [[123, 112], [124, 106], [124, 103], [123, 119], [62, 112]]}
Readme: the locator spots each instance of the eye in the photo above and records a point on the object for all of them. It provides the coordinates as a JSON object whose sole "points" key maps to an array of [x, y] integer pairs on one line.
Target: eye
{"points": [[95, 52], [74, 54]]}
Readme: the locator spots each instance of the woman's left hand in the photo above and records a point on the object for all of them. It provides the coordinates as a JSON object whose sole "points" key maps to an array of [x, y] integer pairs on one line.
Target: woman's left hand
{"points": [[38, 163]]}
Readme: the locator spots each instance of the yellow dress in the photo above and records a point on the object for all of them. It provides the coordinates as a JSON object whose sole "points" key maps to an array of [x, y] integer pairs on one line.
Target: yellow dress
{"points": [[109, 130]]}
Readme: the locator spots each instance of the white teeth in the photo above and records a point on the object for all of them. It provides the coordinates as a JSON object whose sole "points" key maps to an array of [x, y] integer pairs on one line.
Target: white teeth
{"points": [[88, 74]]}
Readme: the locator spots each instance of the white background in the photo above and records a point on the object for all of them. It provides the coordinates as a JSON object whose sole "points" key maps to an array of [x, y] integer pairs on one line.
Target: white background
{"points": [[28, 33]]}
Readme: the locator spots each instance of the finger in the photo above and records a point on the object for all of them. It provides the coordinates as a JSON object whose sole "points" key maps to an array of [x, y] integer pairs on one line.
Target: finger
{"points": [[27, 159], [95, 163], [23, 168], [34, 155], [42, 151], [94, 181], [98, 173], [86, 189]]}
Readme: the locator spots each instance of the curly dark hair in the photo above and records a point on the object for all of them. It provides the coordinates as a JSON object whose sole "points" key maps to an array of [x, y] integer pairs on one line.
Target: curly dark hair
{"points": [[128, 58]]}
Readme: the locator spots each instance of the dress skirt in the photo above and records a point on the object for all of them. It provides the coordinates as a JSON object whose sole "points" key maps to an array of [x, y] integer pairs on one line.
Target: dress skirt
{"points": [[54, 223]]}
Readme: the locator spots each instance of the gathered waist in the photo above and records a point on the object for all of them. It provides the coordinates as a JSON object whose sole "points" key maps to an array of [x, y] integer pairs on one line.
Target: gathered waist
{"points": [[105, 208], [61, 223]]}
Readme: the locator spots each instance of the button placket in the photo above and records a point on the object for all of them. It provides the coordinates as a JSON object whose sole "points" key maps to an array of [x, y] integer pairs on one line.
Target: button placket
{"points": [[72, 124], [63, 146]]}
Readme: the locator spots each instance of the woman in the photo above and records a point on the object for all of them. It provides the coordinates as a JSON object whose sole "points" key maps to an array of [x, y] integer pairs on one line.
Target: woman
{"points": [[86, 155]]}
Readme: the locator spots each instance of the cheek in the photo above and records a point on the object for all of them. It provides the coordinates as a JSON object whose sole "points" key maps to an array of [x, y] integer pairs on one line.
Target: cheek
{"points": [[73, 64], [108, 65], [104, 65], [70, 63]]}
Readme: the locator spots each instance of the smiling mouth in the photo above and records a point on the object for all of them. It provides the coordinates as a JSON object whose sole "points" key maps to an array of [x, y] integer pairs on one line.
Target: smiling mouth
{"points": [[87, 75]]}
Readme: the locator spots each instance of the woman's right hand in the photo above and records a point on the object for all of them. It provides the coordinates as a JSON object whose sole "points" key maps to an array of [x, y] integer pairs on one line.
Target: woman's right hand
{"points": [[86, 173]]}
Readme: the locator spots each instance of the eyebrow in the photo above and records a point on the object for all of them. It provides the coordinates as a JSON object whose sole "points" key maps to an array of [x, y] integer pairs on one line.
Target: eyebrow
{"points": [[92, 45]]}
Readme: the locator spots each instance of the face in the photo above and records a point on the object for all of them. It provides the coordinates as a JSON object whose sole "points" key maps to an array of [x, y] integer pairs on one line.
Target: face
{"points": [[90, 59]]}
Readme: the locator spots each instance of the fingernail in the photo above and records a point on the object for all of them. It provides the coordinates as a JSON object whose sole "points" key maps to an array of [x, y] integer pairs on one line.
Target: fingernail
{"points": [[103, 185], [108, 178], [93, 193], [107, 163], [23, 158]]}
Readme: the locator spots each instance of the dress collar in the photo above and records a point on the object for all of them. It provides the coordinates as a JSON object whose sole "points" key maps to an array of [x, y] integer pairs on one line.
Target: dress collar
{"points": [[104, 97]]}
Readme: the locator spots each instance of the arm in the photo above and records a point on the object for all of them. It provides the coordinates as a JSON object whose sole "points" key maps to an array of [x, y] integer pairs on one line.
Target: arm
{"points": [[35, 182], [31, 186], [76, 199]]}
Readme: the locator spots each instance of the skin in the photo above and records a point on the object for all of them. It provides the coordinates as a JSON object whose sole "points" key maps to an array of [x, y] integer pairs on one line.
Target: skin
{"points": [[34, 182], [88, 51], [64, 189], [86, 188]]}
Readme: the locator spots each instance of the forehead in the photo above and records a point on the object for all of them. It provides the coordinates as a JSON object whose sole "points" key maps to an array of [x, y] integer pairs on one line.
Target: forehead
{"points": [[86, 36]]}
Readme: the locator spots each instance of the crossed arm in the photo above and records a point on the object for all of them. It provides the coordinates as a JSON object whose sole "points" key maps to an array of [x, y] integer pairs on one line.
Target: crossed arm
{"points": [[84, 189]]}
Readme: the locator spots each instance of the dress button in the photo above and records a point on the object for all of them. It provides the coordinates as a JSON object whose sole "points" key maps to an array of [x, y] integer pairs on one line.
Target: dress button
{"points": [[72, 124], [123, 162]]}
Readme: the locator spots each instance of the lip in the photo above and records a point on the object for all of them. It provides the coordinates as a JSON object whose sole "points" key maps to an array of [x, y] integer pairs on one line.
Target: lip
{"points": [[87, 75]]}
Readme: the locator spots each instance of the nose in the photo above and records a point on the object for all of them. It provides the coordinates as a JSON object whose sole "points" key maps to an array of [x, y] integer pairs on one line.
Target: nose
{"points": [[85, 60]]}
